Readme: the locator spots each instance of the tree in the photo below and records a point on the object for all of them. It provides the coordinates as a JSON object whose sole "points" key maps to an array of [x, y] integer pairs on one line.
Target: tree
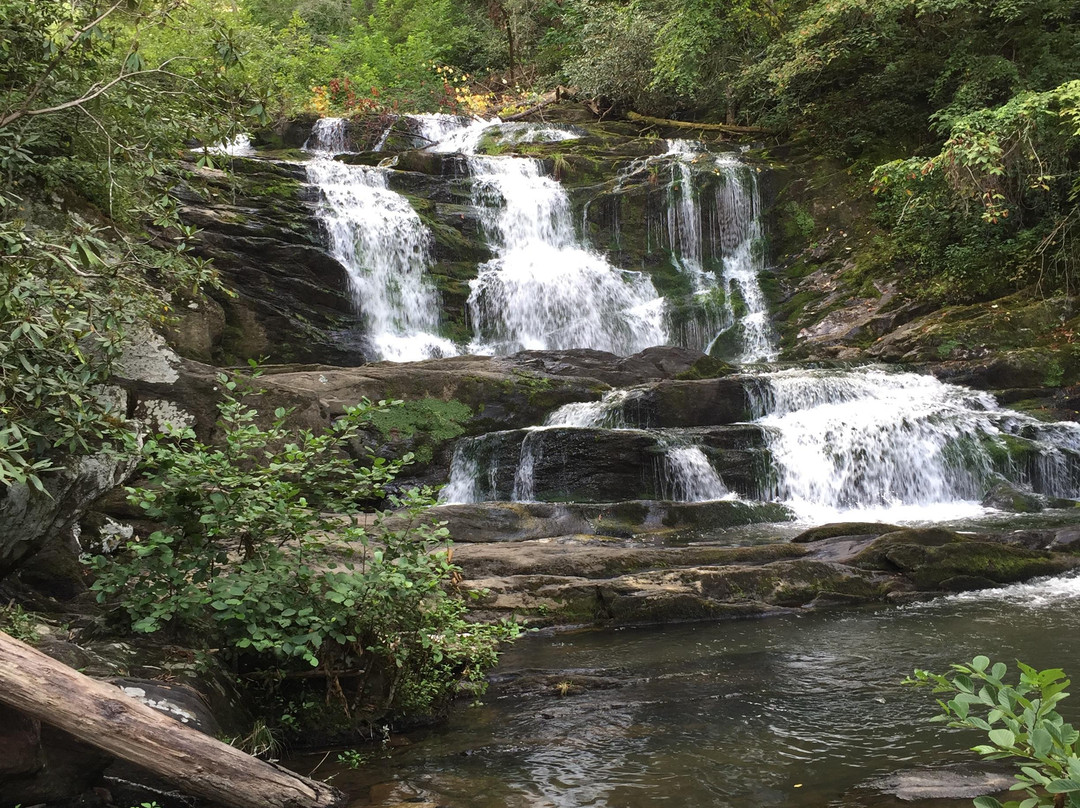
{"points": [[95, 97]]}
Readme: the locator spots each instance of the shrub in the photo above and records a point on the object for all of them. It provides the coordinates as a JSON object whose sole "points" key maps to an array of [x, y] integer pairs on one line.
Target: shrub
{"points": [[265, 556], [1021, 722]]}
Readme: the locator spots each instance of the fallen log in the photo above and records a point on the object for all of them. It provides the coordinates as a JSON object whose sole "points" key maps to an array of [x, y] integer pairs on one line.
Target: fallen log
{"points": [[704, 127], [546, 100], [103, 716]]}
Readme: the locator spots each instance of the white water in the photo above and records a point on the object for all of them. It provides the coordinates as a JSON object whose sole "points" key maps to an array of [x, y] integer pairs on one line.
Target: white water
{"points": [[897, 446], [733, 234], [607, 412], [741, 237], [690, 477], [543, 290], [717, 242], [381, 242], [1037, 594], [239, 146]]}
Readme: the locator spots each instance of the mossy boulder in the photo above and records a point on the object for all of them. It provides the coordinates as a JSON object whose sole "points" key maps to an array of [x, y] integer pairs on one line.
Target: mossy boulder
{"points": [[938, 559], [837, 529]]}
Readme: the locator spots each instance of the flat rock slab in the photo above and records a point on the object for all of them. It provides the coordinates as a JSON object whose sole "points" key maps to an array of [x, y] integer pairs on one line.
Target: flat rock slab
{"points": [[518, 521], [938, 784]]}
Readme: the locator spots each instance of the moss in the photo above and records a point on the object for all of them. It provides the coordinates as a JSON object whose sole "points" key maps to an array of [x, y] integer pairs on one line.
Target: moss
{"points": [[931, 557], [424, 424], [835, 529], [707, 367]]}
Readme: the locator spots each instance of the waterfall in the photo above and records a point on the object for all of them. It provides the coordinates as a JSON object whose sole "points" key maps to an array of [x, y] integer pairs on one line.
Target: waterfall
{"points": [[524, 477], [730, 232], [901, 444], [741, 237], [464, 483], [379, 239], [608, 412], [690, 477], [239, 146], [543, 290], [713, 230]]}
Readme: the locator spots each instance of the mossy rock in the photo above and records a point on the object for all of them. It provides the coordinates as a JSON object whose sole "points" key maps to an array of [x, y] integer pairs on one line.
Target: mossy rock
{"points": [[835, 529], [935, 559], [708, 367]]}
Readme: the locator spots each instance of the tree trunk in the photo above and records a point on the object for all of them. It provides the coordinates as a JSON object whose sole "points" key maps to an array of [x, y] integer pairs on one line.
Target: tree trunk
{"points": [[101, 715]]}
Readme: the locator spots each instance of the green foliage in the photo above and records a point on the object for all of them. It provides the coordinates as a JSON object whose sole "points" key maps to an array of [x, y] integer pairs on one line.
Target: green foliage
{"points": [[264, 554], [998, 206], [18, 623], [858, 74], [94, 100], [352, 758], [615, 59], [1021, 722]]}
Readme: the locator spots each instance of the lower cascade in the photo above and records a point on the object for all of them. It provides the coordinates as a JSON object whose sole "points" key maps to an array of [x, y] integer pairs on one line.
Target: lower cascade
{"points": [[829, 444], [903, 444]]}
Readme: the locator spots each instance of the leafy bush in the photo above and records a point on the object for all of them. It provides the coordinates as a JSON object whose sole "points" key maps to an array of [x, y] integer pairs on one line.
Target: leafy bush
{"points": [[264, 554], [1021, 722]]}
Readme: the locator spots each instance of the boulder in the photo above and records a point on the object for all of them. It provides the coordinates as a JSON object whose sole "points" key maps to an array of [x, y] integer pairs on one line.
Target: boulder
{"points": [[517, 521], [1006, 496], [584, 464], [937, 559], [30, 519]]}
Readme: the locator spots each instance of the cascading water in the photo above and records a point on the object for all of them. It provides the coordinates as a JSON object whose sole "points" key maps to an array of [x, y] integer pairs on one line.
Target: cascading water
{"points": [[730, 232], [901, 445], [543, 290], [381, 242], [690, 477], [893, 445], [712, 228]]}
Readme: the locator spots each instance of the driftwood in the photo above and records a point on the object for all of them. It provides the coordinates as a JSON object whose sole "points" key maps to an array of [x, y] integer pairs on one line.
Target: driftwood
{"points": [[701, 127], [105, 717]]}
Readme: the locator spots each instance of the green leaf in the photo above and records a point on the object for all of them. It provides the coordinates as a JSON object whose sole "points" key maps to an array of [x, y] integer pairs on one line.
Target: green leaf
{"points": [[1041, 741], [1002, 737], [1062, 786]]}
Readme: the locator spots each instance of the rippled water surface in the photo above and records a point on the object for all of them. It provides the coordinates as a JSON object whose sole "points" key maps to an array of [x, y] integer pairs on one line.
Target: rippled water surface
{"points": [[798, 710]]}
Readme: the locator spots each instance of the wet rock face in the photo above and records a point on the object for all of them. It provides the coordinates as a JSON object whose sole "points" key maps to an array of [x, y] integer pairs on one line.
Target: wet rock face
{"points": [[293, 301], [563, 464]]}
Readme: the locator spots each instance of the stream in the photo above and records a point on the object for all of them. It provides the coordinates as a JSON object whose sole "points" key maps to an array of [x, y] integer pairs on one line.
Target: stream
{"points": [[799, 710]]}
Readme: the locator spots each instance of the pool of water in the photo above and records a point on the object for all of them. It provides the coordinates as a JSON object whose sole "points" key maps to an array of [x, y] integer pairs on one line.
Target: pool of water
{"points": [[797, 710]]}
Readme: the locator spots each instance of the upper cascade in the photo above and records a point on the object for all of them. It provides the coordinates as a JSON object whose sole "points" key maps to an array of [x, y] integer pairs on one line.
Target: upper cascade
{"points": [[715, 236], [543, 289], [380, 240]]}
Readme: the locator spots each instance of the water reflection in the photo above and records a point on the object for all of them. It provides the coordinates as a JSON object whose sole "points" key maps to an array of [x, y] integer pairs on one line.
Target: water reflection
{"points": [[789, 711]]}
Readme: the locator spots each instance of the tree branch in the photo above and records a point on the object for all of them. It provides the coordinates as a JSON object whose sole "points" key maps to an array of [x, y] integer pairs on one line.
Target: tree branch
{"points": [[90, 95], [40, 83]]}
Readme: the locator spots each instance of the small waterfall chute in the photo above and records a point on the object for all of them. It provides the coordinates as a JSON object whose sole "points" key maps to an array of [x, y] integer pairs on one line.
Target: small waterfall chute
{"points": [[690, 477], [383, 245], [543, 289]]}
